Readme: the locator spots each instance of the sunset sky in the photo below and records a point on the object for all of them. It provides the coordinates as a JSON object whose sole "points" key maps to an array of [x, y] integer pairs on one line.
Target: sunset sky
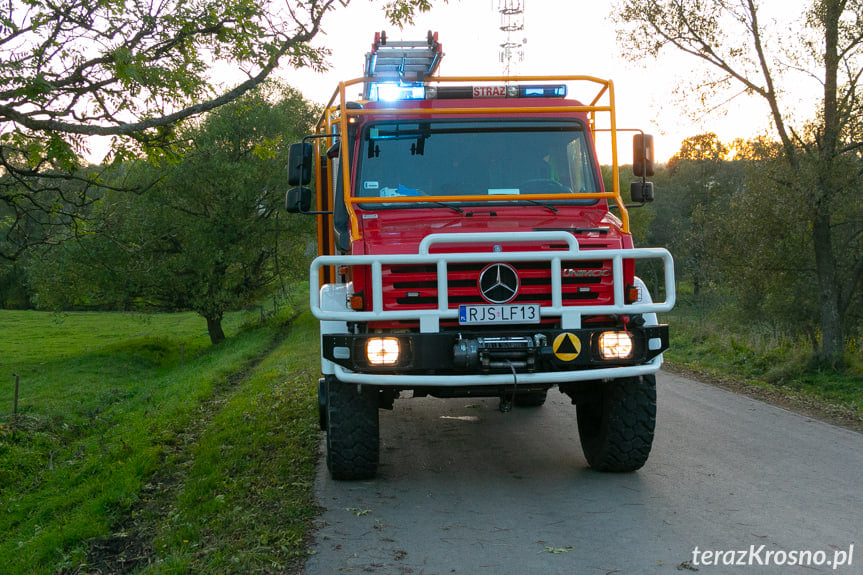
{"points": [[563, 37]]}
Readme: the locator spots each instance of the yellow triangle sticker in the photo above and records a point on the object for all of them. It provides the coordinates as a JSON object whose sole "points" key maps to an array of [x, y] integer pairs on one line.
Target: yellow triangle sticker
{"points": [[566, 346]]}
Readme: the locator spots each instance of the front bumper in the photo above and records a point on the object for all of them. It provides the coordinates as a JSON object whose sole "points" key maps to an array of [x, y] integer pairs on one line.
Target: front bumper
{"points": [[540, 356]]}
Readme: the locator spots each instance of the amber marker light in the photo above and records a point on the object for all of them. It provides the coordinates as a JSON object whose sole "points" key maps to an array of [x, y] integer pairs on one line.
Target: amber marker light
{"points": [[356, 301]]}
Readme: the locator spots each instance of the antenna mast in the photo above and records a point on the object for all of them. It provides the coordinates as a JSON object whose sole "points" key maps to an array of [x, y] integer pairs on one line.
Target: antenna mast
{"points": [[512, 25]]}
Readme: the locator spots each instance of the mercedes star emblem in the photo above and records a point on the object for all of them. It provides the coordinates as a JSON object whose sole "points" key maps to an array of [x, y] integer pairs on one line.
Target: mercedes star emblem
{"points": [[498, 283]]}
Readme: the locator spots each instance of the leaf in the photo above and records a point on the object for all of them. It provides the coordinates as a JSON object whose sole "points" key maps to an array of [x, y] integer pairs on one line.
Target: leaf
{"points": [[557, 550]]}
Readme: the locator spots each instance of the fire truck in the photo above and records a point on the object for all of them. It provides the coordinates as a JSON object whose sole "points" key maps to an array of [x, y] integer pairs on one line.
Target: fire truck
{"points": [[468, 247]]}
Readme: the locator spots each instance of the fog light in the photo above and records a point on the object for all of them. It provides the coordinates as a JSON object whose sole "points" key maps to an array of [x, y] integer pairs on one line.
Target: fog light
{"points": [[615, 345], [382, 350]]}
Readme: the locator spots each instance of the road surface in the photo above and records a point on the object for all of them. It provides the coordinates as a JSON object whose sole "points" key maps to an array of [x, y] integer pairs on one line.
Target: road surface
{"points": [[733, 485]]}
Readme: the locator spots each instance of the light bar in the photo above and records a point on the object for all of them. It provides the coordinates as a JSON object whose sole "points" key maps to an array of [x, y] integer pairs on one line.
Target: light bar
{"points": [[392, 92], [396, 91], [500, 91]]}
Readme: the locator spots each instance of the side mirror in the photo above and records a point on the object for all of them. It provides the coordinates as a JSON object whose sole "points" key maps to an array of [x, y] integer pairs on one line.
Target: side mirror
{"points": [[642, 155], [298, 200], [641, 192], [300, 164]]}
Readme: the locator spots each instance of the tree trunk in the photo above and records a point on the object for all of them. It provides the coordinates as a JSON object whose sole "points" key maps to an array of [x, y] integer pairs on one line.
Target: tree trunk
{"points": [[214, 328], [832, 336]]}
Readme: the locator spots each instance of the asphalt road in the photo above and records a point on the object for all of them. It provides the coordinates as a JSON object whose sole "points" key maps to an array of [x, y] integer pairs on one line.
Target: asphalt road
{"points": [[466, 489]]}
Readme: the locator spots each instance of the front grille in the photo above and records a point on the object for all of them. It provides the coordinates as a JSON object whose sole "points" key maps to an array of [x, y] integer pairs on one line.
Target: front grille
{"points": [[415, 286]]}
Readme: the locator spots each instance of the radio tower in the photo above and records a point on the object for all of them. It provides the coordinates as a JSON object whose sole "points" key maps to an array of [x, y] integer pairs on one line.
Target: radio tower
{"points": [[512, 25]]}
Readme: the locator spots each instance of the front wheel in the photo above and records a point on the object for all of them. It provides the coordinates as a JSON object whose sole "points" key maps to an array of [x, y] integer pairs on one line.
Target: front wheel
{"points": [[353, 436], [616, 425]]}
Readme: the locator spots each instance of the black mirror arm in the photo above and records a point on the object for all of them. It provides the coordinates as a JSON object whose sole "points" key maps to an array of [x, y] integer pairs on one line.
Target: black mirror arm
{"points": [[301, 212]]}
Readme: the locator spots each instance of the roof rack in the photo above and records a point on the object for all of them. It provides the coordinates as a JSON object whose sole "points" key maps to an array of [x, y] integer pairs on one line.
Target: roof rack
{"points": [[401, 61]]}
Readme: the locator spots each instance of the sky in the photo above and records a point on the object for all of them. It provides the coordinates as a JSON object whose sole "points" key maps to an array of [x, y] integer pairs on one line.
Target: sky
{"points": [[562, 37]]}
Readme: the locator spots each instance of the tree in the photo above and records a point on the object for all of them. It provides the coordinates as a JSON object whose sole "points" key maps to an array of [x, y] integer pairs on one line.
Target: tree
{"points": [[207, 236], [823, 158], [703, 147], [131, 71], [693, 208], [764, 249]]}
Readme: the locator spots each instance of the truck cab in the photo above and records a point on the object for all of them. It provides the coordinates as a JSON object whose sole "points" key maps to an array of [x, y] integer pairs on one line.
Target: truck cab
{"points": [[468, 247]]}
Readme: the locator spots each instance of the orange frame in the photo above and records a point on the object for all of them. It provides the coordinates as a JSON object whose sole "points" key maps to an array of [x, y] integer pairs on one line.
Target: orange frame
{"points": [[339, 115]]}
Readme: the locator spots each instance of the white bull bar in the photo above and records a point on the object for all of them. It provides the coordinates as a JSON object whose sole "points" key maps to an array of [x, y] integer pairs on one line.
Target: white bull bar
{"points": [[429, 319]]}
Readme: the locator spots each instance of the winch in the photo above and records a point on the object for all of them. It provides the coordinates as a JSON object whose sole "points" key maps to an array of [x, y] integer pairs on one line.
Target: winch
{"points": [[488, 353]]}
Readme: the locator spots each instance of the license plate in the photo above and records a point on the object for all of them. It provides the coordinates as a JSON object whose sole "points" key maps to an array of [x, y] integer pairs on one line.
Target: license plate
{"points": [[498, 314]]}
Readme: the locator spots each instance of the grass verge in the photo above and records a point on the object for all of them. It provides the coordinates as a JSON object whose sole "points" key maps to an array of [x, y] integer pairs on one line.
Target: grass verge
{"points": [[762, 363], [247, 499], [124, 458]]}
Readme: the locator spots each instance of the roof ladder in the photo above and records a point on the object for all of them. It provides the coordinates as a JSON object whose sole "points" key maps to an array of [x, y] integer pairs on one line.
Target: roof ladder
{"points": [[401, 61]]}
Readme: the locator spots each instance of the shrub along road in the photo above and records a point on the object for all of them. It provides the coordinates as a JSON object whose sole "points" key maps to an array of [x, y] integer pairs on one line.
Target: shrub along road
{"points": [[464, 488]]}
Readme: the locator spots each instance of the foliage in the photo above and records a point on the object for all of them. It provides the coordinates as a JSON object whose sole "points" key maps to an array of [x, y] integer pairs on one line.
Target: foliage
{"points": [[131, 72], [823, 158], [691, 212], [401, 11], [207, 237], [741, 239], [13, 290]]}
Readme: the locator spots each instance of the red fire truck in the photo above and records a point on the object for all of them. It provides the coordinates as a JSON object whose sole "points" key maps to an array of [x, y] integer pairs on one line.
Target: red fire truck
{"points": [[469, 248]]}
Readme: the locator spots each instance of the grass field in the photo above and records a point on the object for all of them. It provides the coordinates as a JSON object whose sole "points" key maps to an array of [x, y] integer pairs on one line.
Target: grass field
{"points": [[126, 458], [759, 361]]}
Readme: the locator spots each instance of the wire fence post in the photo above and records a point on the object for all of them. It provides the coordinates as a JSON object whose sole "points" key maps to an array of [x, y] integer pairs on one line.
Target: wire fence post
{"points": [[15, 401]]}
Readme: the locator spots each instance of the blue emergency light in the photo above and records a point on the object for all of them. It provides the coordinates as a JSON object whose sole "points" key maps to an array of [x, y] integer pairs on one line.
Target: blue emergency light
{"points": [[395, 92], [542, 91]]}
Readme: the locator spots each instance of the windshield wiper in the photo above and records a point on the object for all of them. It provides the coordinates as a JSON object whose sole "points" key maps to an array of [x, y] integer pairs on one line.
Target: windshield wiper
{"points": [[542, 204], [446, 205], [420, 205]]}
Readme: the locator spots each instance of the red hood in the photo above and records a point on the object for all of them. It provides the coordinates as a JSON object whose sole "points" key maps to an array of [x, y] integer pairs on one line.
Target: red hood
{"points": [[401, 231]]}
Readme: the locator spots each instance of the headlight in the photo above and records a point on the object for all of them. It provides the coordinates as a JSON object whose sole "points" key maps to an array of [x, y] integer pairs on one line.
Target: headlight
{"points": [[615, 345], [382, 350]]}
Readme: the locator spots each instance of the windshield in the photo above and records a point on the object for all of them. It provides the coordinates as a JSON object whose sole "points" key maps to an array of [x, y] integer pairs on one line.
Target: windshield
{"points": [[468, 158]]}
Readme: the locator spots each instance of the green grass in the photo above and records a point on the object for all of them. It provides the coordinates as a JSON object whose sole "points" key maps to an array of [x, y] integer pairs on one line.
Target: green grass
{"points": [[117, 448], [247, 501], [763, 357], [30, 339]]}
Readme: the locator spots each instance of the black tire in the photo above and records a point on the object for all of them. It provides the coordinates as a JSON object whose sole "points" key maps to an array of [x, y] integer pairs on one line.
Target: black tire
{"points": [[353, 438], [616, 426], [530, 398], [322, 404]]}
